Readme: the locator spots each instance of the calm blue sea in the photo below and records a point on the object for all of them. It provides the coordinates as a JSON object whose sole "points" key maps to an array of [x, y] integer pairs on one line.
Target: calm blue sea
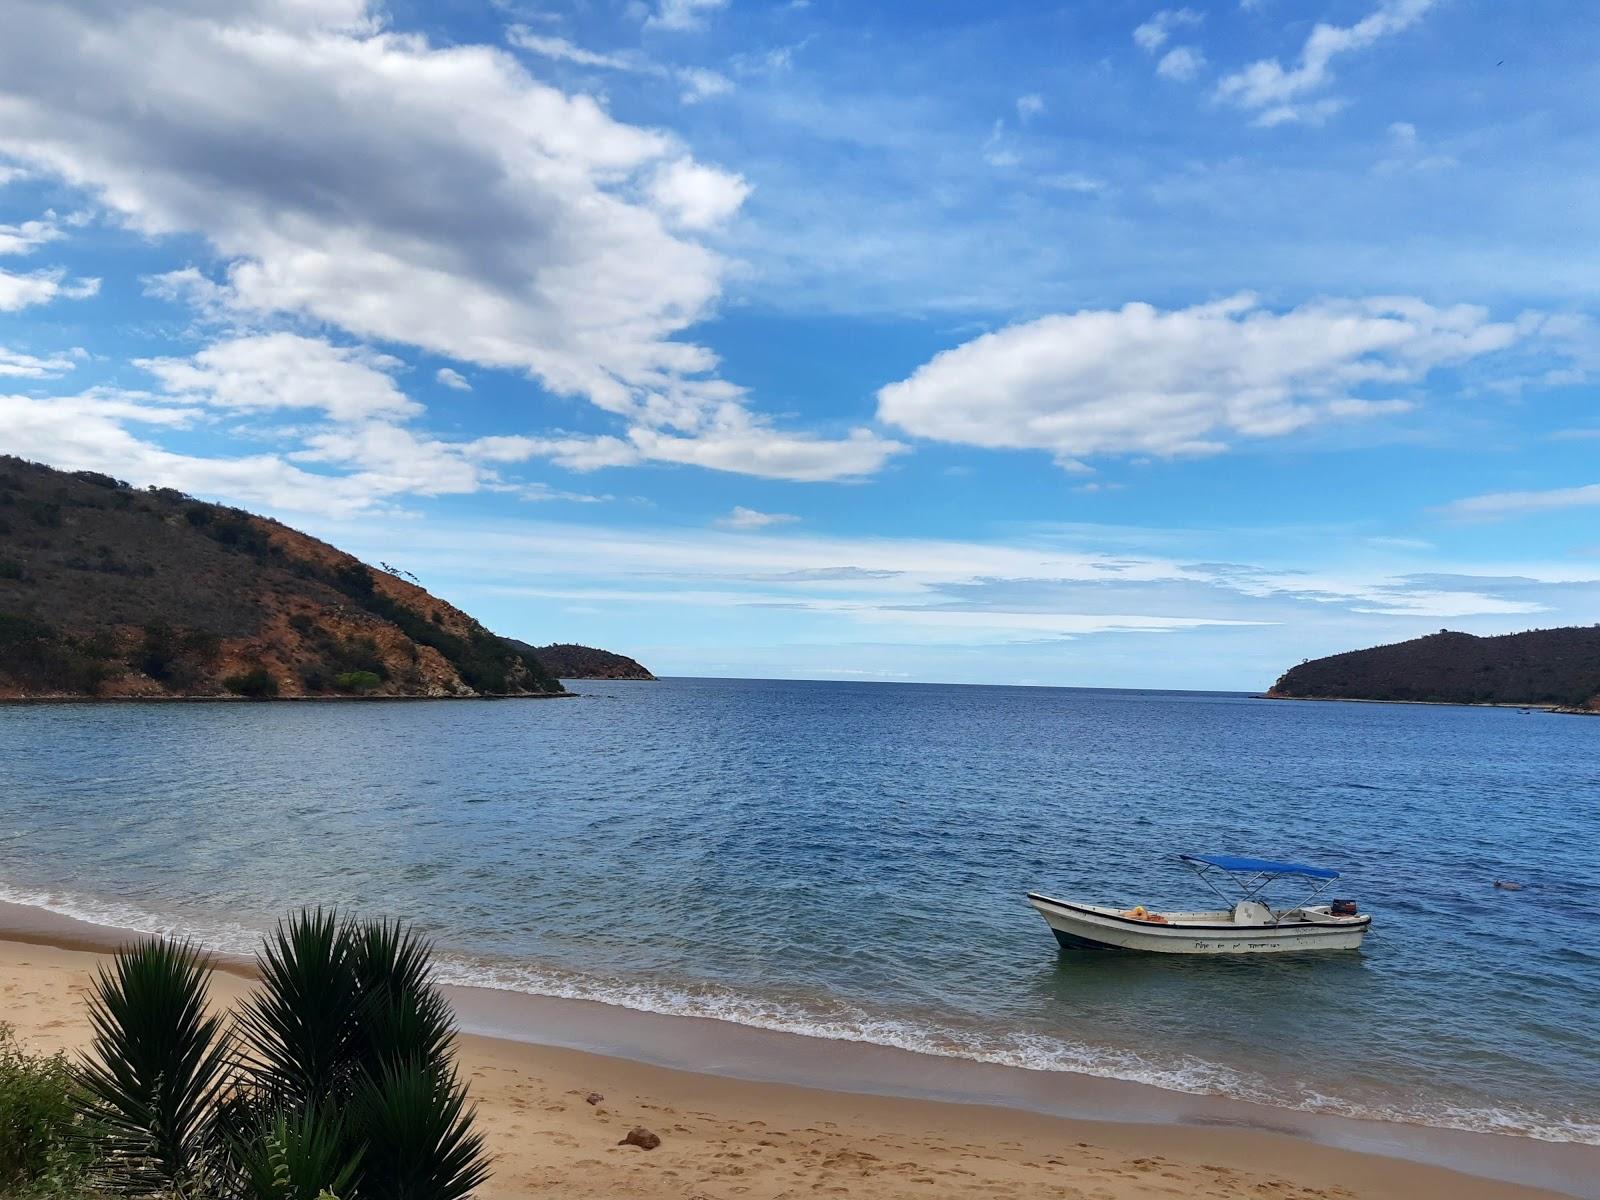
{"points": [[848, 861]]}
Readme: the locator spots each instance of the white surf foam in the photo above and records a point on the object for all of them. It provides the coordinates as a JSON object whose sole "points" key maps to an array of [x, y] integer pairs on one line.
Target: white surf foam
{"points": [[847, 1023]]}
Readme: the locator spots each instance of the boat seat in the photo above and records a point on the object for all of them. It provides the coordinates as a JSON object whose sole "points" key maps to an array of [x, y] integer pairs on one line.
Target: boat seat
{"points": [[1251, 912]]}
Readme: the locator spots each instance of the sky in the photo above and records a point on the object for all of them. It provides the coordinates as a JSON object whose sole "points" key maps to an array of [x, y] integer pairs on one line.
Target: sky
{"points": [[1108, 345]]}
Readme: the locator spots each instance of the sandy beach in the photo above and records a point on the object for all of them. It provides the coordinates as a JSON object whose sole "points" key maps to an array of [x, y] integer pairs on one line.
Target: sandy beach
{"points": [[724, 1138]]}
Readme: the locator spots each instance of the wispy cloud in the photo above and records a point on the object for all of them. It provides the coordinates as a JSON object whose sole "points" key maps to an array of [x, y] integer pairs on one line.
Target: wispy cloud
{"points": [[1277, 94], [749, 518], [683, 15], [1154, 33], [1515, 504]]}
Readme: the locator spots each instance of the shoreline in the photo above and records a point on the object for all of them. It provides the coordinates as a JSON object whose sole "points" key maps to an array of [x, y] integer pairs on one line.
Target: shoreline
{"points": [[748, 1069], [1532, 707], [275, 699]]}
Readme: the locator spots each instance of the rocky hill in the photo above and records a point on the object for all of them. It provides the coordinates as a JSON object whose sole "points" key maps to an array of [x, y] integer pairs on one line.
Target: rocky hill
{"points": [[1549, 667], [566, 661], [113, 591]]}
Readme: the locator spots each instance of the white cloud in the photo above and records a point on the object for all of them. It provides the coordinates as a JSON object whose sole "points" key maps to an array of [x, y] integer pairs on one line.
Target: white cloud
{"points": [[736, 444], [19, 291], [1277, 94], [16, 365], [700, 84], [1407, 152], [1181, 63], [1514, 504], [1153, 34], [559, 48], [89, 432], [286, 370], [683, 15], [749, 518], [25, 236], [1138, 380], [434, 197], [573, 453], [696, 197], [1029, 106], [452, 379]]}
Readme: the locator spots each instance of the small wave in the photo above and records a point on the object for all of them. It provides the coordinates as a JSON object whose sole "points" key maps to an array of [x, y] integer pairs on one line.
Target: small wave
{"points": [[1026, 1051], [847, 1023]]}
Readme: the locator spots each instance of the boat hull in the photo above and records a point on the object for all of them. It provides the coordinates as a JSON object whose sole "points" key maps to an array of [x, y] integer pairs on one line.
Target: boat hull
{"points": [[1082, 926]]}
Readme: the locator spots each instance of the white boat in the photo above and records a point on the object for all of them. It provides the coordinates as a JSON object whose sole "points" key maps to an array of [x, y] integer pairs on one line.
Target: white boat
{"points": [[1248, 926]]}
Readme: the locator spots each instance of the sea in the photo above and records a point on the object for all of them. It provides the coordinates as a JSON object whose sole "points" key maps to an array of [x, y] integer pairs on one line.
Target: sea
{"points": [[848, 861]]}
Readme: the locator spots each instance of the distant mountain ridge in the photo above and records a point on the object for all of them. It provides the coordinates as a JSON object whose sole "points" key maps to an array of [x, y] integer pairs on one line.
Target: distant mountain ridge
{"points": [[112, 591], [566, 661], [1557, 668]]}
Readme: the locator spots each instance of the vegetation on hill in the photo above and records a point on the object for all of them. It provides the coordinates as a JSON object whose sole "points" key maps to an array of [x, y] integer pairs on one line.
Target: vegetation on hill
{"points": [[110, 590], [1559, 667], [566, 661]]}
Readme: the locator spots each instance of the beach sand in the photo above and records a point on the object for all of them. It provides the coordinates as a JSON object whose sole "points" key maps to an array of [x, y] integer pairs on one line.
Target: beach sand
{"points": [[723, 1138]]}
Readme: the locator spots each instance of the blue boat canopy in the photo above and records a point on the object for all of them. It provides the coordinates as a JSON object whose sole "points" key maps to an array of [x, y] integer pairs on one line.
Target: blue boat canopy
{"points": [[1231, 862]]}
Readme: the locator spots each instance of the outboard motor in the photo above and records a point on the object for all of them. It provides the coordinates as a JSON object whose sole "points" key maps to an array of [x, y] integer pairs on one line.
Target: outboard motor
{"points": [[1343, 908]]}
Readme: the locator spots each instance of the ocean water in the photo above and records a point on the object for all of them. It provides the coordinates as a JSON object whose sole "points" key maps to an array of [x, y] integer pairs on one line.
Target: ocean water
{"points": [[848, 861]]}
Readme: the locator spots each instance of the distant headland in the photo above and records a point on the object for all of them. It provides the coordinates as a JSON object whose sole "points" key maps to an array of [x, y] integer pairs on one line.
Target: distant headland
{"points": [[566, 661], [1546, 668], [108, 591]]}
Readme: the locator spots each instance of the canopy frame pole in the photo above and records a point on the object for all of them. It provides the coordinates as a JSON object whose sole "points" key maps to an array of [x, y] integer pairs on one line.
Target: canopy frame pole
{"points": [[1204, 875], [1312, 895]]}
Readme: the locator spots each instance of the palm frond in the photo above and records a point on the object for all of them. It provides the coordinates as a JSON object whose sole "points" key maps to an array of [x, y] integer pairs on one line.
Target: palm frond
{"points": [[402, 1017], [420, 1144], [291, 1156], [301, 1023], [156, 1066]]}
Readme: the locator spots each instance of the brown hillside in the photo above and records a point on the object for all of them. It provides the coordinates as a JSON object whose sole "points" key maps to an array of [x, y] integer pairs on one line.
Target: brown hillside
{"points": [[112, 591]]}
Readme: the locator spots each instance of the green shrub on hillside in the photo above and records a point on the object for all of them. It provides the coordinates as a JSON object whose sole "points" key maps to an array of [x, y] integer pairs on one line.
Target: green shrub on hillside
{"points": [[359, 682]]}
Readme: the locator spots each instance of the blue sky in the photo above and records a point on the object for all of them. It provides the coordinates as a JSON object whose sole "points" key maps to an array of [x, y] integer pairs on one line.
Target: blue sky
{"points": [[1090, 344]]}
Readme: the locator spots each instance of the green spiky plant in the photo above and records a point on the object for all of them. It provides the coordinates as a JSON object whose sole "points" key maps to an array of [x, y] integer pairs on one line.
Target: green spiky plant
{"points": [[336, 1076]]}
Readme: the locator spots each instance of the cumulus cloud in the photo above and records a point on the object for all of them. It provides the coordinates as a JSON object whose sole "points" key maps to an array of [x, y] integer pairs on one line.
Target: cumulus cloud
{"points": [[749, 518], [452, 379], [697, 197], [351, 445], [1139, 380], [286, 370], [1277, 94], [1029, 106], [91, 432], [437, 197], [1182, 63]]}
